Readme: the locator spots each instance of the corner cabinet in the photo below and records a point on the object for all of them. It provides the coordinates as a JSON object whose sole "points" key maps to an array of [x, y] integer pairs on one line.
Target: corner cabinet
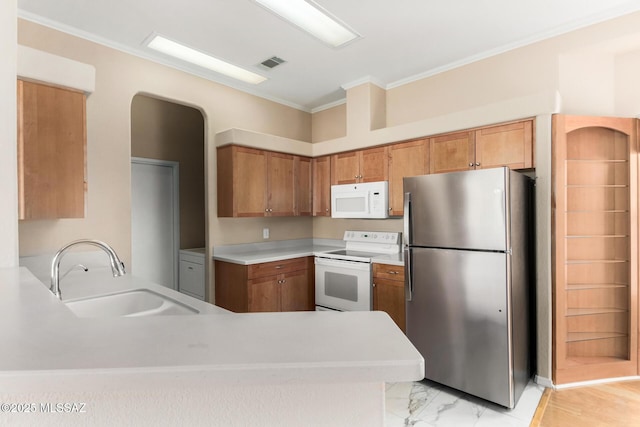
{"points": [[595, 248], [51, 152], [285, 285], [255, 183]]}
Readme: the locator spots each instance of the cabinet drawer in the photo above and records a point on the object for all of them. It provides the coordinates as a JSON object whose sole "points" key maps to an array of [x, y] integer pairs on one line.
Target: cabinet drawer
{"points": [[276, 267], [388, 271]]}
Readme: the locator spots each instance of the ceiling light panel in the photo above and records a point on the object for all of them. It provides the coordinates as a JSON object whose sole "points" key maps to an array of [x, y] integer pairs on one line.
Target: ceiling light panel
{"points": [[184, 53], [313, 19]]}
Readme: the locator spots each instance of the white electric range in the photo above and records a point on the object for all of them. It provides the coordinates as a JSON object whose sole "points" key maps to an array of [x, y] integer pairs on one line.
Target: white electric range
{"points": [[344, 277]]}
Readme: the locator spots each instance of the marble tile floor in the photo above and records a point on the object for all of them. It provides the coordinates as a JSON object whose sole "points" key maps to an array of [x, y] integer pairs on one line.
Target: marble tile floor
{"points": [[427, 404]]}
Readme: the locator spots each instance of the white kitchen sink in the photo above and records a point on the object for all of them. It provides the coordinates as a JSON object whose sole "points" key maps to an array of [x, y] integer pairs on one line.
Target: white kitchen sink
{"points": [[136, 302]]}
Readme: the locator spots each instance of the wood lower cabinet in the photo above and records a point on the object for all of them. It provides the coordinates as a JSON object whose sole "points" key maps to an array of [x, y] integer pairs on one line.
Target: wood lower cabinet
{"points": [[388, 292], [595, 248], [405, 159], [321, 186], [368, 165], [51, 152], [286, 285]]}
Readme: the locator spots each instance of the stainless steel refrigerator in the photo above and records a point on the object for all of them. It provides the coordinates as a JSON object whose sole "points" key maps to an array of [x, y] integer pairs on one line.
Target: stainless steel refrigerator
{"points": [[467, 261]]}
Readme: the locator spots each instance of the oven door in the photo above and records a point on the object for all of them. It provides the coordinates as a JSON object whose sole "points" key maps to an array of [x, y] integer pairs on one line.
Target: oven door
{"points": [[343, 285]]}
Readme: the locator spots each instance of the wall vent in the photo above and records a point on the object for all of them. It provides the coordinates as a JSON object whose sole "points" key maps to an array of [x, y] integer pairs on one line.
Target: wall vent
{"points": [[272, 62]]}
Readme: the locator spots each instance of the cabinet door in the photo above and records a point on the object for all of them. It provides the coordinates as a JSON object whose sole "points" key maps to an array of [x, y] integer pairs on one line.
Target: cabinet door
{"points": [[304, 186], [507, 145], [388, 292], [345, 168], [281, 201], [322, 186], [295, 295], [249, 181], [51, 152], [374, 164], [452, 152], [388, 296], [405, 159], [264, 294]]}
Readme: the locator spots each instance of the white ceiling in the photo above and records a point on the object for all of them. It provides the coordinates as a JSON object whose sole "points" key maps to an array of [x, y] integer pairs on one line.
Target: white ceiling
{"points": [[402, 40]]}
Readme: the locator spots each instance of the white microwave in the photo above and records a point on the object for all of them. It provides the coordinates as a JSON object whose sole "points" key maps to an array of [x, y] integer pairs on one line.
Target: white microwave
{"points": [[364, 200]]}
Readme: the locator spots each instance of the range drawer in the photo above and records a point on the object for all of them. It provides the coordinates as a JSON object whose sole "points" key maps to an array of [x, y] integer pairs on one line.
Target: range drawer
{"points": [[388, 271], [276, 267]]}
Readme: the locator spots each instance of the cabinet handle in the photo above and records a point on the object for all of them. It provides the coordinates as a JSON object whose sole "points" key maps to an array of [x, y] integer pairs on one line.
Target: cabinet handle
{"points": [[390, 209], [477, 164], [392, 272], [190, 268], [373, 285], [470, 165], [278, 267], [326, 210]]}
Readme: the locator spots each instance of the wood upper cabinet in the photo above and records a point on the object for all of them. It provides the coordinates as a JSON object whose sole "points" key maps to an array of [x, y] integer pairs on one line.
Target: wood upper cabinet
{"points": [[360, 166], [321, 186], [304, 186], [51, 152], [595, 248], [280, 191], [388, 292], [255, 182], [405, 159], [285, 285], [452, 152], [510, 145], [505, 145]]}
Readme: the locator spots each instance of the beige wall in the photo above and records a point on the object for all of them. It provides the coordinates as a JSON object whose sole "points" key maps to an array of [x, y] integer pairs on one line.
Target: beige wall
{"points": [[119, 77], [330, 123], [8, 153], [167, 131]]}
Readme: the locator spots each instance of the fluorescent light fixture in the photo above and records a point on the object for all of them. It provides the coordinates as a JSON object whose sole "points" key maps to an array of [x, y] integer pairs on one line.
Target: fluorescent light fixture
{"points": [[193, 56], [312, 18]]}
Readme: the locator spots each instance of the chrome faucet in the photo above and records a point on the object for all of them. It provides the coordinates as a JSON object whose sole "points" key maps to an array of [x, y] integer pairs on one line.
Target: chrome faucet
{"points": [[117, 266]]}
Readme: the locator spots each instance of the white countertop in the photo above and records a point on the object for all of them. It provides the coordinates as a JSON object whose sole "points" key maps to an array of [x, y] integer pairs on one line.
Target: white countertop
{"points": [[46, 347], [255, 253]]}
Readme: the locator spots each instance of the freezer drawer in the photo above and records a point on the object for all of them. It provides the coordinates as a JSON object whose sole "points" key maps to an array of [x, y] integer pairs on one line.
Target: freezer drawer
{"points": [[458, 319]]}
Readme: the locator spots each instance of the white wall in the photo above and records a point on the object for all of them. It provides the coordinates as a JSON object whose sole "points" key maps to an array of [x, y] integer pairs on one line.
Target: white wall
{"points": [[8, 151]]}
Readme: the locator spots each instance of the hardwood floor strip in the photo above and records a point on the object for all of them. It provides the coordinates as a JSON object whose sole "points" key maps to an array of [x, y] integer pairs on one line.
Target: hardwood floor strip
{"points": [[614, 404], [542, 406]]}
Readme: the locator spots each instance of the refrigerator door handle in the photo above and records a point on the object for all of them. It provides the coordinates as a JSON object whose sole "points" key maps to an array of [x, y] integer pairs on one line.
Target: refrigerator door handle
{"points": [[407, 219], [408, 282]]}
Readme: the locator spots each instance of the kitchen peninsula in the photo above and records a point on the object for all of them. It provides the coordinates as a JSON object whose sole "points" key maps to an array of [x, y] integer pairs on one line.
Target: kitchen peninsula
{"points": [[208, 369]]}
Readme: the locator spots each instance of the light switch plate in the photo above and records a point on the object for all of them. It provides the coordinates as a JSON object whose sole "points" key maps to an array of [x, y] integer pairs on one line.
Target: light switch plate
{"points": [[265, 233]]}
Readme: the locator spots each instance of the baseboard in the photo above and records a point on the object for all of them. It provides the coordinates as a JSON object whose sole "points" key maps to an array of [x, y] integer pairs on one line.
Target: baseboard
{"points": [[545, 382], [596, 382]]}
